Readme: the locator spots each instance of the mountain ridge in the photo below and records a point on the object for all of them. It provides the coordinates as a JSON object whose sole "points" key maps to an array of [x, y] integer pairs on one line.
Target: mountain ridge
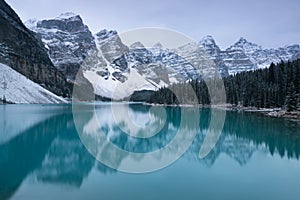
{"points": [[250, 49], [74, 50], [105, 56]]}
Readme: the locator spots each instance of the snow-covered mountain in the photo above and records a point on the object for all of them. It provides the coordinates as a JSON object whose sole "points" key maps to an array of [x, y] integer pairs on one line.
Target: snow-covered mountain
{"points": [[67, 40], [59, 49], [16, 88], [236, 59], [116, 70], [214, 51], [246, 56]]}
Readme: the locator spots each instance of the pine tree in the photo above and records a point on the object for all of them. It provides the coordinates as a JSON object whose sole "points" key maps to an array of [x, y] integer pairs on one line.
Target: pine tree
{"points": [[4, 99], [291, 98], [298, 103], [276, 86], [4, 86], [272, 72]]}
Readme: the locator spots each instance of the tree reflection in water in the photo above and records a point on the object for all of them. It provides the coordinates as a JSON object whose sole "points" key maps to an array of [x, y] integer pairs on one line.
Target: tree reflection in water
{"points": [[52, 152]]}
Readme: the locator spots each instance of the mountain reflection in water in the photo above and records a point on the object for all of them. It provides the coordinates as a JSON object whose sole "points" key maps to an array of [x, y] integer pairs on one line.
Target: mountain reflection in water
{"points": [[51, 151]]}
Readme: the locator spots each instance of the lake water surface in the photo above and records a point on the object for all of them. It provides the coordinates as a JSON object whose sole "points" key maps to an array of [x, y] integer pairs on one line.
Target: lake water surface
{"points": [[43, 157]]}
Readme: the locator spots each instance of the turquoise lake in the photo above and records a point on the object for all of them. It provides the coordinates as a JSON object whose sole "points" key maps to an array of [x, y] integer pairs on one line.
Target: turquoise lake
{"points": [[42, 155]]}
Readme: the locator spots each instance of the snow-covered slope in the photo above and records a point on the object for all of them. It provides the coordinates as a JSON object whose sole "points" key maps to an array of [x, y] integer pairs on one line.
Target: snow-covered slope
{"points": [[115, 89], [25, 53], [121, 70], [108, 63], [18, 89]]}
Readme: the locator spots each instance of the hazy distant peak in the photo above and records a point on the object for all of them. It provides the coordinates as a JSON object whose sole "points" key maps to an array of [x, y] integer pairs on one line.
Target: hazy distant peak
{"points": [[158, 45], [137, 45]]}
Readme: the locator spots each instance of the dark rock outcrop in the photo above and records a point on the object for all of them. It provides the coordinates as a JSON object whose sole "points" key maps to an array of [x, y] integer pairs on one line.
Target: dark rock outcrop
{"points": [[23, 52]]}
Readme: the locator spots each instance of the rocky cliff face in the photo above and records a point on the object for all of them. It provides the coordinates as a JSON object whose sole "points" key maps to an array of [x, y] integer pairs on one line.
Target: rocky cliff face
{"points": [[67, 40], [245, 56], [236, 58], [214, 52], [107, 63], [23, 52]]}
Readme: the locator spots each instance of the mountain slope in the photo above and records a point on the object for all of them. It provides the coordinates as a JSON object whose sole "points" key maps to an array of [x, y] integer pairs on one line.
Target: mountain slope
{"points": [[18, 89], [247, 56], [107, 62], [214, 51], [22, 51], [67, 39]]}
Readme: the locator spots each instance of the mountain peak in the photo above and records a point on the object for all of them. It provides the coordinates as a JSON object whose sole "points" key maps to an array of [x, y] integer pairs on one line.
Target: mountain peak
{"points": [[242, 40], [67, 22], [68, 15], [158, 45], [104, 34], [137, 45], [208, 40], [293, 47], [244, 45]]}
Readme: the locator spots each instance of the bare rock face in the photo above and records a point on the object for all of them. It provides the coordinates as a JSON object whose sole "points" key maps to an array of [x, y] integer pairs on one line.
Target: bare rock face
{"points": [[214, 52], [67, 39], [247, 56], [23, 52], [105, 59]]}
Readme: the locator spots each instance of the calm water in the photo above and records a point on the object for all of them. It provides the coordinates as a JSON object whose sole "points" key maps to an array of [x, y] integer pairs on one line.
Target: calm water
{"points": [[42, 157]]}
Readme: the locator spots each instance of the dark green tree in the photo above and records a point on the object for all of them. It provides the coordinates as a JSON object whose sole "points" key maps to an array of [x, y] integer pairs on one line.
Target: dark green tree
{"points": [[275, 86], [291, 98]]}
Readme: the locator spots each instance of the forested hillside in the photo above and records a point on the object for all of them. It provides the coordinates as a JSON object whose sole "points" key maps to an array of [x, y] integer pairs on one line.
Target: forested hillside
{"points": [[276, 86]]}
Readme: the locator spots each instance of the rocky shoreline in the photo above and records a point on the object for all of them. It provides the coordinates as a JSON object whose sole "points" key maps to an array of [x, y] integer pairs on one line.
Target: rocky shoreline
{"points": [[270, 112], [294, 115]]}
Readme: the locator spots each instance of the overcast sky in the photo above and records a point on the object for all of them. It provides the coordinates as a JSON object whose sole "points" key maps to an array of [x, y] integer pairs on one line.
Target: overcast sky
{"points": [[270, 23]]}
